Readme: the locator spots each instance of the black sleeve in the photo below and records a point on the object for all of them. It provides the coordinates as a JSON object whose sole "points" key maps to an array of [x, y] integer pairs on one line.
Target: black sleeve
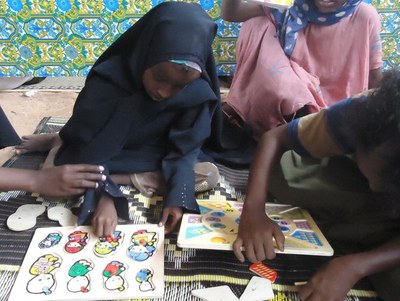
{"points": [[185, 140]]}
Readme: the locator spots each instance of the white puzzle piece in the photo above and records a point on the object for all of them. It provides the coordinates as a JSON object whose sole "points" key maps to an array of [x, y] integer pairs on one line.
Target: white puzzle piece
{"points": [[25, 217], [258, 289], [217, 293], [62, 215]]}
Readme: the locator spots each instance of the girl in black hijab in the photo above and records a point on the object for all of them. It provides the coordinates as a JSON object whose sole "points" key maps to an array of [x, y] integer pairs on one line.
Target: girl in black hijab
{"points": [[147, 105]]}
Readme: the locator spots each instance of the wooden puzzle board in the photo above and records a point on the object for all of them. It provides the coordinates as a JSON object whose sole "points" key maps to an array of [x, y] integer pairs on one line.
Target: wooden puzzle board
{"points": [[216, 228], [71, 263]]}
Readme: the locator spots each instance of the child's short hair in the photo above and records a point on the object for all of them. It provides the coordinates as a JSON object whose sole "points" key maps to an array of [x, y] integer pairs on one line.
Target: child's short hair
{"points": [[376, 122], [378, 118]]}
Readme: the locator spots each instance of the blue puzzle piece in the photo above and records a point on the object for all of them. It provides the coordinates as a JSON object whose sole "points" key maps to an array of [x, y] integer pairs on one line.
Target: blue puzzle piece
{"points": [[310, 237], [196, 231]]}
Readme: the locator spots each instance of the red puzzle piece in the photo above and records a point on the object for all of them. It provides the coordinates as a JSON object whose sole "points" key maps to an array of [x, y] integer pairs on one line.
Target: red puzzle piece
{"points": [[262, 270]]}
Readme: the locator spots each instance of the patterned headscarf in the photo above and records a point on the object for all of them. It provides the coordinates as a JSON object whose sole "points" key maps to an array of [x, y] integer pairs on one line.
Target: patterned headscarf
{"points": [[297, 17]]}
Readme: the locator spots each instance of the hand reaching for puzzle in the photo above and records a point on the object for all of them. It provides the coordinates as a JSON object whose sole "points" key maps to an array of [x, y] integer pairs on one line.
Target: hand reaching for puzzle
{"points": [[67, 180], [256, 233], [170, 218], [105, 217], [333, 281]]}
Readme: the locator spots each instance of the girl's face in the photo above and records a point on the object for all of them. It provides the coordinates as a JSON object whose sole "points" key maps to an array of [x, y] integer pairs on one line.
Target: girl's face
{"points": [[328, 6], [165, 79]]}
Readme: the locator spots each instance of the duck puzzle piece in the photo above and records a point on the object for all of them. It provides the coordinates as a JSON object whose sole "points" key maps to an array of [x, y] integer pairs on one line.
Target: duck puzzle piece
{"points": [[51, 240], [43, 270], [77, 241], [79, 272], [113, 276], [108, 245]]}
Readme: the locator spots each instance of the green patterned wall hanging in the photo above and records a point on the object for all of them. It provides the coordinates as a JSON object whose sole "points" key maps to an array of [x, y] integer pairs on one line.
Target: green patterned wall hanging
{"points": [[65, 37]]}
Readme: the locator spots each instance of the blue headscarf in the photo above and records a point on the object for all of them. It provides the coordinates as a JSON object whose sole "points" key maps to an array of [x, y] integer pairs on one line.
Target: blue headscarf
{"points": [[297, 17]]}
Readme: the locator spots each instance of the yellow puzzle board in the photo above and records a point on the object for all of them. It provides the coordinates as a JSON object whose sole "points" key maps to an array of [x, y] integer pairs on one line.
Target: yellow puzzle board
{"points": [[216, 228]]}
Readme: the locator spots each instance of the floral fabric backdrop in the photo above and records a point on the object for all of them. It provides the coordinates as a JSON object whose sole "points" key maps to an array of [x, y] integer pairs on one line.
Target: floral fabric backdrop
{"points": [[65, 37]]}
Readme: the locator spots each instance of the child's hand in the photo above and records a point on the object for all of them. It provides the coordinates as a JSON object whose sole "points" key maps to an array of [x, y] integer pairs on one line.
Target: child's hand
{"points": [[333, 281], [67, 180], [105, 217], [170, 218], [256, 232]]}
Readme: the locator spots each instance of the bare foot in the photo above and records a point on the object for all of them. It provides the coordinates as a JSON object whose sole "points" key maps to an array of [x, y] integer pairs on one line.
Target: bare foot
{"points": [[38, 143]]}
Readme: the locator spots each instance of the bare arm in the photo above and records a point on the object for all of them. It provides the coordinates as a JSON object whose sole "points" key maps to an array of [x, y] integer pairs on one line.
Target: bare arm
{"points": [[65, 180], [336, 278], [379, 259], [374, 79], [270, 149], [16, 179], [239, 11], [256, 230]]}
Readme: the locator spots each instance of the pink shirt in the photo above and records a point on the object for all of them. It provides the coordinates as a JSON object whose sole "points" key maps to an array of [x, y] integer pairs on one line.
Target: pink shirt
{"points": [[341, 55], [328, 64]]}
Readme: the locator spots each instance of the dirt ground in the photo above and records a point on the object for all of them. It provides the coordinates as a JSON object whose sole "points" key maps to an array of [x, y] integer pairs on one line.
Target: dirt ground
{"points": [[25, 111]]}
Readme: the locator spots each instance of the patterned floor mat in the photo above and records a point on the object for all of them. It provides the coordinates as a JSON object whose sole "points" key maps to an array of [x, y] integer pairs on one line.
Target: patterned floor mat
{"points": [[185, 269]]}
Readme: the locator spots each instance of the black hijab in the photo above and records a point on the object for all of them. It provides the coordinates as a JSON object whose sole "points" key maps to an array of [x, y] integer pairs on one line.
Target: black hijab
{"points": [[116, 124], [114, 101]]}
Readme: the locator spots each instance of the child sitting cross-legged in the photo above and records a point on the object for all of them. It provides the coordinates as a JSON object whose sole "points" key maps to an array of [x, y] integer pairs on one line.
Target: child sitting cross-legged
{"points": [[146, 108]]}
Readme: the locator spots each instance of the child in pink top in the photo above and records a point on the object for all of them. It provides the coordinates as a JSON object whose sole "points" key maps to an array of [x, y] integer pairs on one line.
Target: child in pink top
{"points": [[309, 56], [342, 66]]}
